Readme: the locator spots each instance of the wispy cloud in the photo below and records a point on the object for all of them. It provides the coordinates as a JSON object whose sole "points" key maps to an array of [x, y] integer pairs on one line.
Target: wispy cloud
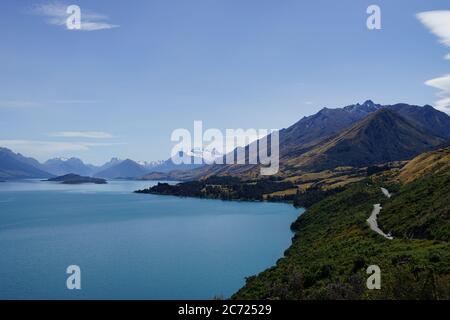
{"points": [[18, 104], [438, 22], [55, 13], [443, 84], [39, 148], [75, 101], [83, 134]]}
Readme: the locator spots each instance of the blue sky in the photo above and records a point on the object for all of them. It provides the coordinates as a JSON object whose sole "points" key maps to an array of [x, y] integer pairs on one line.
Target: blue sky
{"points": [[155, 66]]}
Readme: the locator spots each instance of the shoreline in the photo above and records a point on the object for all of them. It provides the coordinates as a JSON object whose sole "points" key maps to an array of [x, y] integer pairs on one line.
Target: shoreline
{"points": [[212, 198]]}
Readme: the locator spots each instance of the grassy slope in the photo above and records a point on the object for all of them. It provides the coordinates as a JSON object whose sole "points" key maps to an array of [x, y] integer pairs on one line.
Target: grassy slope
{"points": [[420, 210], [381, 137], [334, 245]]}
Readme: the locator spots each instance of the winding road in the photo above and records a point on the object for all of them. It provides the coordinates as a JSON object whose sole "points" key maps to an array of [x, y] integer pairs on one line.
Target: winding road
{"points": [[372, 220]]}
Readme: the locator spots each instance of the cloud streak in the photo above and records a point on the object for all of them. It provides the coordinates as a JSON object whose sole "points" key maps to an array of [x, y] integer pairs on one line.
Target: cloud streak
{"points": [[438, 23], [83, 134], [19, 104], [41, 148], [56, 14], [75, 101], [443, 84]]}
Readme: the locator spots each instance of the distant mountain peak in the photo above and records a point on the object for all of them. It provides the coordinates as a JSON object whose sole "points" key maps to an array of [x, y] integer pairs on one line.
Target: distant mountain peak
{"points": [[60, 166], [123, 169], [368, 103], [63, 159], [367, 107], [381, 137]]}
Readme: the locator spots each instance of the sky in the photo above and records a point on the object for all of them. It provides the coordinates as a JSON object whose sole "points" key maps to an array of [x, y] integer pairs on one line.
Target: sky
{"points": [[137, 70]]}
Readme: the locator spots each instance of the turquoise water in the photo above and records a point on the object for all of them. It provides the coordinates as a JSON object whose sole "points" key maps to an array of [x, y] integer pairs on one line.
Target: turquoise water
{"points": [[132, 246]]}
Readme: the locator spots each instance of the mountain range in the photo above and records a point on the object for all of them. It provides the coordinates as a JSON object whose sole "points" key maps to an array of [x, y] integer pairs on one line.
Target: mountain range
{"points": [[381, 137], [16, 166], [356, 135], [123, 170], [362, 135], [61, 166]]}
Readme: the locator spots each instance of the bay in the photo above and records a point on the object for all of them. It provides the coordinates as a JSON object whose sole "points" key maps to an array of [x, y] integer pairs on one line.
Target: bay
{"points": [[132, 246]]}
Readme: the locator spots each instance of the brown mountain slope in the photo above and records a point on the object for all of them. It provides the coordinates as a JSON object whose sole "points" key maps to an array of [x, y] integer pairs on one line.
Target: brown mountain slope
{"points": [[381, 137], [306, 138], [434, 162]]}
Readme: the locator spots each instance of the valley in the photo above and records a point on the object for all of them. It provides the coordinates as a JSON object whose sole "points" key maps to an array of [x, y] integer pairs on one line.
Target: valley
{"points": [[375, 182]]}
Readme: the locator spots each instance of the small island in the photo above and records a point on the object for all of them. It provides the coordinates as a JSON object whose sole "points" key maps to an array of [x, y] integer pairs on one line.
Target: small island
{"points": [[76, 179]]}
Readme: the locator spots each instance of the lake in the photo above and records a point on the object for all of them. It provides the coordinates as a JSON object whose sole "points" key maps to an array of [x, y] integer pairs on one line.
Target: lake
{"points": [[132, 246]]}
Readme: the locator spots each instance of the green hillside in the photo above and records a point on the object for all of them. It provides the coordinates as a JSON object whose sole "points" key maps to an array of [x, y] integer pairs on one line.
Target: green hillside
{"points": [[334, 245], [421, 209]]}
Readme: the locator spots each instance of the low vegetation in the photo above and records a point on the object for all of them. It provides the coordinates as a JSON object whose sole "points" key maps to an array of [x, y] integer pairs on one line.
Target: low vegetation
{"points": [[333, 244], [333, 247], [225, 188], [77, 179]]}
